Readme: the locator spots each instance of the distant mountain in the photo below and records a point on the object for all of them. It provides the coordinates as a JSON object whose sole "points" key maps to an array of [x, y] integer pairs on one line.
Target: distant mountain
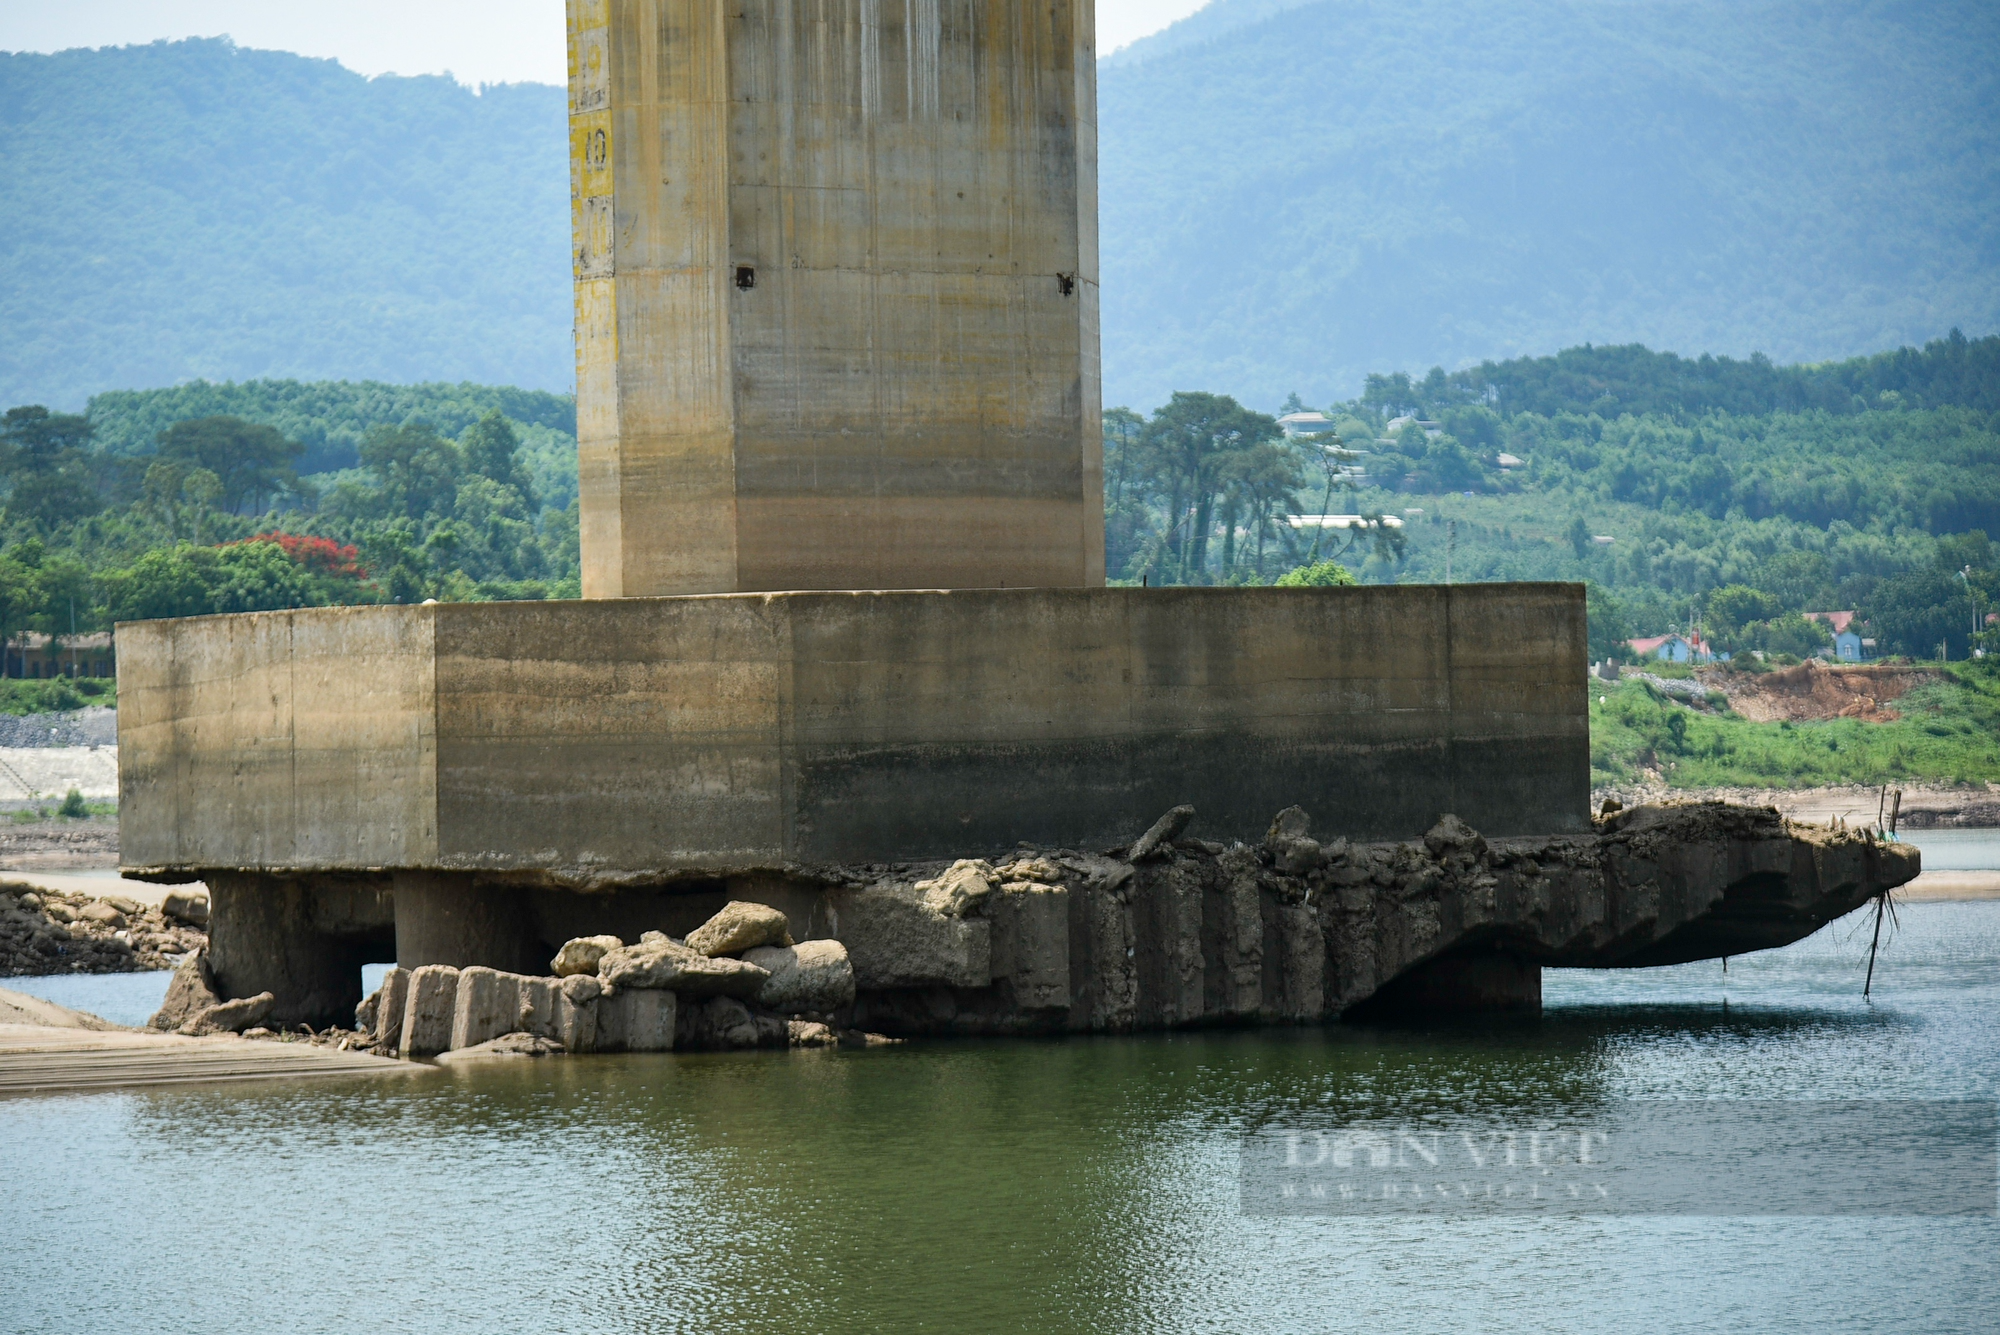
{"points": [[192, 209], [1205, 24], [1294, 198], [1295, 193]]}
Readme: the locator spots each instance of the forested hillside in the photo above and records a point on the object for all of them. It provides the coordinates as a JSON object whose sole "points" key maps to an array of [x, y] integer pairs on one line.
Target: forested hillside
{"points": [[1728, 495], [1296, 193], [192, 209], [1293, 199]]}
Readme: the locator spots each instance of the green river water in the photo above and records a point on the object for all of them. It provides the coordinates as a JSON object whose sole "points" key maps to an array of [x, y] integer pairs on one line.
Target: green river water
{"points": [[1073, 1185]]}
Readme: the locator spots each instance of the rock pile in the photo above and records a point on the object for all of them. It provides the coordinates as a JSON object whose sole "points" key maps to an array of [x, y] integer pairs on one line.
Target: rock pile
{"points": [[49, 931], [737, 981]]}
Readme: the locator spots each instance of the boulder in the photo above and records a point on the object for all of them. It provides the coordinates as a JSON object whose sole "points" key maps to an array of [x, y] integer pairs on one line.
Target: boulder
{"points": [[191, 992], [537, 998], [724, 1024], [636, 1020], [811, 1034], [1031, 869], [1453, 836], [126, 905], [428, 1014], [1164, 831], [101, 913], [1292, 851], [895, 939], [740, 926], [666, 965], [582, 955], [231, 1017], [186, 906], [961, 890], [576, 1003], [506, 1047], [813, 976]]}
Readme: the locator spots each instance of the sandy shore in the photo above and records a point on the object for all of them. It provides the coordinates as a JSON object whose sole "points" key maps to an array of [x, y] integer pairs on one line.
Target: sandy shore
{"points": [[1943, 885], [46, 1048]]}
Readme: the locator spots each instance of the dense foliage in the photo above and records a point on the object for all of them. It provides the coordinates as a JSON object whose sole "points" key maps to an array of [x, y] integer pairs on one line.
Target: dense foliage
{"points": [[1617, 467], [215, 516], [1613, 466]]}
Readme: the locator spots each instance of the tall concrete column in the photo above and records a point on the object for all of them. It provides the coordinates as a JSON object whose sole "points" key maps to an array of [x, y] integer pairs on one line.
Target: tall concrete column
{"points": [[446, 919], [264, 936], [836, 294]]}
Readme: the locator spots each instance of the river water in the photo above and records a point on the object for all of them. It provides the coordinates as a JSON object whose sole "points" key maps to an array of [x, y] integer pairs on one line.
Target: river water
{"points": [[1077, 1185]]}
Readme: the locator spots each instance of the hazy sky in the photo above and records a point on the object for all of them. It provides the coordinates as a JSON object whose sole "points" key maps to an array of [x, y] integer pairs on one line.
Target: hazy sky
{"points": [[480, 41]]}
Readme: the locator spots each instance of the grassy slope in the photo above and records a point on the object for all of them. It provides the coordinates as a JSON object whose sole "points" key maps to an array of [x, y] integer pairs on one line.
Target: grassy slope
{"points": [[55, 695], [1949, 733]]}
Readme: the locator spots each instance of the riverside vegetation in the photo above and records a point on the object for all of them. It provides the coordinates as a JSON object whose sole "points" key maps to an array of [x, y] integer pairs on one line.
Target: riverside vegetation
{"points": [[1734, 496]]}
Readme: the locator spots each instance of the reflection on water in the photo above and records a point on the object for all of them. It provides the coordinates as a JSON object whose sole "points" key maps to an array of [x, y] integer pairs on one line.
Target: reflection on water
{"points": [[122, 998], [1063, 1185]]}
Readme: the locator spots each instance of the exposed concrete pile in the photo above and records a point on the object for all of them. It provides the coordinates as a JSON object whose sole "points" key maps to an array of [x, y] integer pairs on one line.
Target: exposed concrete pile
{"points": [[1180, 931], [49, 931], [1170, 931], [737, 981]]}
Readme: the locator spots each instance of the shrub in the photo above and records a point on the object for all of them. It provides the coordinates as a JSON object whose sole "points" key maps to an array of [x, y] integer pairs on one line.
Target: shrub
{"points": [[1325, 575]]}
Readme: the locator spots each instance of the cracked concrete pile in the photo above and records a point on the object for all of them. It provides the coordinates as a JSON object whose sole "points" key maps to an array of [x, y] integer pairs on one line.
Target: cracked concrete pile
{"points": [[1169, 932], [49, 931]]}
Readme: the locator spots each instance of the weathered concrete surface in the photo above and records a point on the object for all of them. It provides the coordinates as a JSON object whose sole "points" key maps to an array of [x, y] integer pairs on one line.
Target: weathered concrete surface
{"points": [[1268, 934], [1290, 930], [836, 295], [302, 942], [648, 740]]}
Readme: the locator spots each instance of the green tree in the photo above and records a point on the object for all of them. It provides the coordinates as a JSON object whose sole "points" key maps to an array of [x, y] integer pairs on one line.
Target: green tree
{"points": [[1792, 633], [252, 464], [493, 450], [1320, 575], [187, 580], [1733, 610], [1184, 451], [1916, 612], [52, 478], [1609, 627]]}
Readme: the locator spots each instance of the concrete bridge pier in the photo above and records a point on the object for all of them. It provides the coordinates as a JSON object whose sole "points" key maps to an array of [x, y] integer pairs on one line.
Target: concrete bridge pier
{"points": [[302, 939], [445, 918]]}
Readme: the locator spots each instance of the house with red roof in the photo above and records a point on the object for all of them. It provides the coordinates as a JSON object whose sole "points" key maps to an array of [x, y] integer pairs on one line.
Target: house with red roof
{"points": [[1848, 646], [1690, 648]]}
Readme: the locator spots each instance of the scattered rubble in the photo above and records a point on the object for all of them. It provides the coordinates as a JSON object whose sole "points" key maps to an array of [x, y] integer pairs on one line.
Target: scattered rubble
{"points": [[50, 931]]}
